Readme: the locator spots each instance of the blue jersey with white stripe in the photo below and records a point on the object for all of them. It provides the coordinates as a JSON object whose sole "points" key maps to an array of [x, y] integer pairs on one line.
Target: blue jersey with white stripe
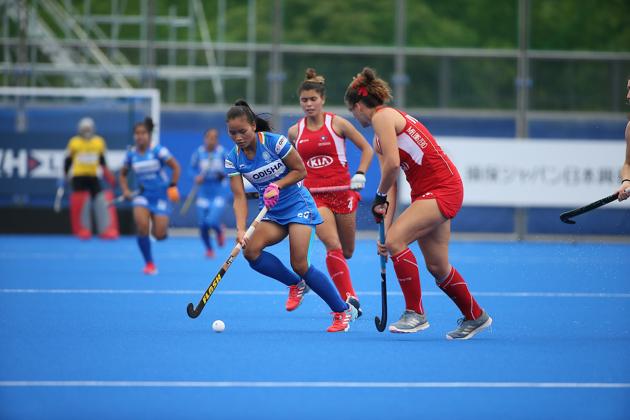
{"points": [[295, 204], [266, 167], [210, 164], [149, 167]]}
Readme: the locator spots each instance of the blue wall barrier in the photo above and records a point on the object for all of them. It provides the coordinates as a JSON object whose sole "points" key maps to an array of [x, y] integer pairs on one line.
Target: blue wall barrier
{"points": [[182, 132]]}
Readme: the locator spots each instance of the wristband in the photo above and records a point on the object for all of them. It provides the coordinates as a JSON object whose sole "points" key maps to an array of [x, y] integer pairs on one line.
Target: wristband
{"points": [[172, 184], [624, 180], [360, 172], [379, 199]]}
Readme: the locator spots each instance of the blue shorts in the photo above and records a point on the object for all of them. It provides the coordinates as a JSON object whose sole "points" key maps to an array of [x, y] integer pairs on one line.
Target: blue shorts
{"points": [[299, 208], [157, 204], [210, 210]]}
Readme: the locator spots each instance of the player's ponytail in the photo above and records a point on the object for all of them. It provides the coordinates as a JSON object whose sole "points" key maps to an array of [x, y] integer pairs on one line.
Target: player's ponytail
{"points": [[148, 124], [241, 108], [313, 81], [368, 89]]}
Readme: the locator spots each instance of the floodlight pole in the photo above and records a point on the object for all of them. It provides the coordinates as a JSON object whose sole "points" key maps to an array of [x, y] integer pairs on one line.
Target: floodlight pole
{"points": [[251, 53], [276, 76], [523, 84], [400, 78]]}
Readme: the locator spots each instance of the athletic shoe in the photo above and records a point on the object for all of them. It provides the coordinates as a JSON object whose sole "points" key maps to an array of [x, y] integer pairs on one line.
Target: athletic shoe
{"points": [[467, 328], [221, 236], [150, 269], [84, 234], [342, 320], [352, 300], [409, 322], [296, 294], [209, 253], [109, 234]]}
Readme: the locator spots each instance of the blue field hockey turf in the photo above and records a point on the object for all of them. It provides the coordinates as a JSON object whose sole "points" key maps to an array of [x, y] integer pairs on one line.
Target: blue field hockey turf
{"points": [[83, 334]]}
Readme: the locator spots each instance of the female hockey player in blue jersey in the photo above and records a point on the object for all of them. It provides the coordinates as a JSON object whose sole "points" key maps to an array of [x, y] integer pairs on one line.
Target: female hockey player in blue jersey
{"points": [[207, 167], [273, 166], [151, 205]]}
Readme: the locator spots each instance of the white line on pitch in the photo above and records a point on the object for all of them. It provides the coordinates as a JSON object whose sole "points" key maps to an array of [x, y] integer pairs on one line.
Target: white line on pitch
{"points": [[282, 293], [304, 384]]}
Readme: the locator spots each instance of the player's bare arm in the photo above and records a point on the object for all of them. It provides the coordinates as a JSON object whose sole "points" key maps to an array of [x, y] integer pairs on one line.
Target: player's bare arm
{"points": [[346, 129], [297, 171], [385, 130], [292, 134]]}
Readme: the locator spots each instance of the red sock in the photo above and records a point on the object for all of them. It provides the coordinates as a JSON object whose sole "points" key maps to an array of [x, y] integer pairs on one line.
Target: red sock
{"points": [[456, 288], [339, 272], [406, 268]]}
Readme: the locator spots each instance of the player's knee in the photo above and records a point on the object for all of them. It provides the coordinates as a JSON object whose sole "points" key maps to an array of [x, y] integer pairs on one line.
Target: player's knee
{"points": [[393, 246], [142, 229], [299, 266], [332, 245], [251, 254], [159, 234], [437, 270]]}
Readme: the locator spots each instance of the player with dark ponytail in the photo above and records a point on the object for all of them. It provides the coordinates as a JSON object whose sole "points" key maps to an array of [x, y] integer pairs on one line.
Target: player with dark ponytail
{"points": [[151, 206], [402, 142], [271, 164]]}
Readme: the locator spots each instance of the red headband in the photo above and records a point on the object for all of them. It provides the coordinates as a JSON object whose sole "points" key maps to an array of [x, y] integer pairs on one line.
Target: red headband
{"points": [[362, 91]]}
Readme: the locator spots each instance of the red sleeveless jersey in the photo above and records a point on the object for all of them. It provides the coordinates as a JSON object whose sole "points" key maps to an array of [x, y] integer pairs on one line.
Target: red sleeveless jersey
{"points": [[426, 166], [324, 154]]}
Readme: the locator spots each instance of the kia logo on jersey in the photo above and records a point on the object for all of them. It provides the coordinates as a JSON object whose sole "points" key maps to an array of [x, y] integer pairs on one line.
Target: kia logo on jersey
{"points": [[319, 161]]}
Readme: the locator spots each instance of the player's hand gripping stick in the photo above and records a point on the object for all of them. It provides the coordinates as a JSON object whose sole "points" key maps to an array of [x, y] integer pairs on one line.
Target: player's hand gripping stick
{"points": [[271, 195], [379, 207]]}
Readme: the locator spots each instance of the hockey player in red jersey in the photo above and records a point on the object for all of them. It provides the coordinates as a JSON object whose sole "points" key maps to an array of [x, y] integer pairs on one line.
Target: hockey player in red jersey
{"points": [[402, 142], [320, 138]]}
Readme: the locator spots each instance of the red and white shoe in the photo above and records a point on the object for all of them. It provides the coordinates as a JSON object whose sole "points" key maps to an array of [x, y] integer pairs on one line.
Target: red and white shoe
{"points": [[109, 235], [84, 234], [150, 269], [296, 294], [342, 320], [209, 253]]}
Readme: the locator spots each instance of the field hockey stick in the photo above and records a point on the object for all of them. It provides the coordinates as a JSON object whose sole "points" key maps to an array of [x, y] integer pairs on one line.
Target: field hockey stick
{"points": [[566, 216], [329, 189], [189, 199], [252, 195], [122, 198], [194, 312], [58, 198], [381, 322]]}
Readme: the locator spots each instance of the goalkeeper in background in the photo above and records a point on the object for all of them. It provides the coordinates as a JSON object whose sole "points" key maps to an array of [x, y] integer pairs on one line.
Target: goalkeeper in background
{"points": [[85, 153]]}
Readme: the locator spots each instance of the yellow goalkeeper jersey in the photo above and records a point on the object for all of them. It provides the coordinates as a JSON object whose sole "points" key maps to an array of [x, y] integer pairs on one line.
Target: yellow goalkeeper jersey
{"points": [[85, 155]]}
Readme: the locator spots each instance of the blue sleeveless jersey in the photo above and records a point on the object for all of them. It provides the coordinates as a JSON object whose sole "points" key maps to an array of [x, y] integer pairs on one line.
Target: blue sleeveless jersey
{"points": [[151, 177], [295, 205], [212, 166]]}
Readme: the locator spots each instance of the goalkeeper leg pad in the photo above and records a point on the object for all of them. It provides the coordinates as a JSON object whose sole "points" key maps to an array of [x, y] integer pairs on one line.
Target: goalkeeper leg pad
{"points": [[80, 217], [105, 215]]}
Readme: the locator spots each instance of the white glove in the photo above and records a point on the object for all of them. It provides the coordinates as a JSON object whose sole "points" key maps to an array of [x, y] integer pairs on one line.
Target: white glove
{"points": [[358, 181]]}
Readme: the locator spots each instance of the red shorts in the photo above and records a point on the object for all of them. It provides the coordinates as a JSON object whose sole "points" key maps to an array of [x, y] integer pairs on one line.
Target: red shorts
{"points": [[339, 202], [449, 198]]}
